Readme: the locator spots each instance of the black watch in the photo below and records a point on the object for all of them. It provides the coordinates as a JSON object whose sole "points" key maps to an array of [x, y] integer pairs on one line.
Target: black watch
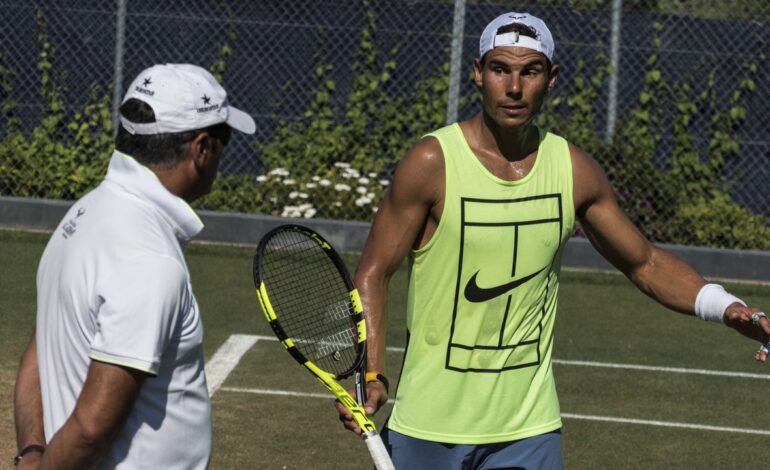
{"points": [[27, 450]]}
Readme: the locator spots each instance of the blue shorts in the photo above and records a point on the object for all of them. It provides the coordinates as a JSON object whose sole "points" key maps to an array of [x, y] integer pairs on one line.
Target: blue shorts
{"points": [[541, 452]]}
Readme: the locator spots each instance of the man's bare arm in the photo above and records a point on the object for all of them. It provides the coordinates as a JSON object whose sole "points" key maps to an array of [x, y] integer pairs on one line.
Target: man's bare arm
{"points": [[655, 271], [105, 402], [28, 404], [405, 219]]}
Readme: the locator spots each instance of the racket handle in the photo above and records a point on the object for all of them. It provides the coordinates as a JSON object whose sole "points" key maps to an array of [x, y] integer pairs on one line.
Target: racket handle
{"points": [[377, 450]]}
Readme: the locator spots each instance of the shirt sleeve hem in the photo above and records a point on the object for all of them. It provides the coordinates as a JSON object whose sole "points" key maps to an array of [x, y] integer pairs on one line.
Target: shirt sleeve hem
{"points": [[131, 363]]}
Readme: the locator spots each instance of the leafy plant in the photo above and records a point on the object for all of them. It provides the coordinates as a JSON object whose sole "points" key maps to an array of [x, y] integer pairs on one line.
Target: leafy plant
{"points": [[719, 222], [63, 157], [340, 188], [369, 132], [662, 199]]}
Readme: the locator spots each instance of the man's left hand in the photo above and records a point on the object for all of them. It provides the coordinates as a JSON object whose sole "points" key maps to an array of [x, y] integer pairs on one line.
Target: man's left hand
{"points": [[752, 323]]}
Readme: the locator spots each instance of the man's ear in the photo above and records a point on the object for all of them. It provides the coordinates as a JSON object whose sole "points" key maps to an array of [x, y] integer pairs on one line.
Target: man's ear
{"points": [[478, 66], [553, 76], [201, 149]]}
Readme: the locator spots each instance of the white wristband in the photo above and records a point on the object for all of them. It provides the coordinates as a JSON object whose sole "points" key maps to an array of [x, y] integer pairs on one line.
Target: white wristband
{"points": [[712, 301]]}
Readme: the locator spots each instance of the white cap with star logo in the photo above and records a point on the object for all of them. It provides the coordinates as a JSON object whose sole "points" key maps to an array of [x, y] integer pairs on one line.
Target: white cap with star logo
{"points": [[184, 97]]}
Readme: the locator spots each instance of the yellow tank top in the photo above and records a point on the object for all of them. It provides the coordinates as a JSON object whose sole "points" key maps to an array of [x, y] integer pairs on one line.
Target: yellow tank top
{"points": [[482, 302]]}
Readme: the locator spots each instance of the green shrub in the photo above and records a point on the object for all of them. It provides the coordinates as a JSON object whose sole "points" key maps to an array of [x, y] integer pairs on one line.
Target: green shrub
{"points": [[657, 198], [366, 137], [719, 222], [63, 157], [339, 189]]}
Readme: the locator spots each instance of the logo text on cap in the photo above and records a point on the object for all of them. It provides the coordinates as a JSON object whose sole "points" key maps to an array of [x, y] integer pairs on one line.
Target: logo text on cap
{"points": [[145, 91]]}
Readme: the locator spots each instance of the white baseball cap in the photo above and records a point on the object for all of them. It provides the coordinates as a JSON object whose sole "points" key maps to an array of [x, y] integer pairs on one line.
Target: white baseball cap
{"points": [[543, 43], [184, 97]]}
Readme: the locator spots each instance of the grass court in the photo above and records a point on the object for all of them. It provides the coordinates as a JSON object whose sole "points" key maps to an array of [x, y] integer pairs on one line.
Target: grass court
{"points": [[639, 386]]}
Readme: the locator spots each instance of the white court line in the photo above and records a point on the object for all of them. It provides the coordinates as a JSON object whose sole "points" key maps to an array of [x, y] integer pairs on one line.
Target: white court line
{"points": [[230, 353], [607, 419], [667, 424], [674, 370], [611, 365], [283, 393], [226, 358]]}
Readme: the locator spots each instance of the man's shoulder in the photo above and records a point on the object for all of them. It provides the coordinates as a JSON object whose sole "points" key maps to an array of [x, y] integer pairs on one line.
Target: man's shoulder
{"points": [[448, 130], [547, 136], [110, 217], [426, 153], [122, 208]]}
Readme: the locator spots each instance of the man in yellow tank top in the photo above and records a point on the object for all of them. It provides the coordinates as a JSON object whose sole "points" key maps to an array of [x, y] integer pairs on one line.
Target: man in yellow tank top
{"points": [[483, 208]]}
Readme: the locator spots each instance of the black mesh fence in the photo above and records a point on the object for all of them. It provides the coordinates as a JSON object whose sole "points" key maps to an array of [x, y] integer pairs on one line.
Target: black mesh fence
{"points": [[672, 100]]}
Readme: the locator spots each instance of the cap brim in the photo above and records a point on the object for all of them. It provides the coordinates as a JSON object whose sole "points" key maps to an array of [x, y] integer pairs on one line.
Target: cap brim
{"points": [[240, 121]]}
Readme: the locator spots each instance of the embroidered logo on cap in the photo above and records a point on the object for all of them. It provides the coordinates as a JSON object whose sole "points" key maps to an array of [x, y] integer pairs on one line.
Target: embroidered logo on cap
{"points": [[143, 88], [209, 107]]}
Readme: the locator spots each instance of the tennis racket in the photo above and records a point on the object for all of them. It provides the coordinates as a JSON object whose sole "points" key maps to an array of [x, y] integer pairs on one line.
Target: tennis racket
{"points": [[312, 306]]}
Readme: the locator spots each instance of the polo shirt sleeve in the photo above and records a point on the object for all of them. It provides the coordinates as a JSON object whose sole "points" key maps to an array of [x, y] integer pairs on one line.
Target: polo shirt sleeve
{"points": [[141, 308]]}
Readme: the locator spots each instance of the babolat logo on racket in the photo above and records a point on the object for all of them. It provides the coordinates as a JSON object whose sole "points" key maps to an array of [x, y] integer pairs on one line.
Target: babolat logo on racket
{"points": [[356, 409], [331, 345]]}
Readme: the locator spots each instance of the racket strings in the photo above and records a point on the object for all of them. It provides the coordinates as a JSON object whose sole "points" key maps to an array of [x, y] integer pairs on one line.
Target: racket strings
{"points": [[311, 300]]}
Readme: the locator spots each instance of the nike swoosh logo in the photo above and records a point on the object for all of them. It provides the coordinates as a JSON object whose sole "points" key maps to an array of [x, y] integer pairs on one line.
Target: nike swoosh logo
{"points": [[476, 294]]}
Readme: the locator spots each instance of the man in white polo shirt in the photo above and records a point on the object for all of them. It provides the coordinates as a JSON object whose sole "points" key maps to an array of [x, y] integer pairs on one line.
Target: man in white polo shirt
{"points": [[113, 376]]}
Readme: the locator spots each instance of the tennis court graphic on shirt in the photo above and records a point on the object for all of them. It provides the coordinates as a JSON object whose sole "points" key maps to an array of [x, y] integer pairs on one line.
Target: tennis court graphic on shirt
{"points": [[504, 282]]}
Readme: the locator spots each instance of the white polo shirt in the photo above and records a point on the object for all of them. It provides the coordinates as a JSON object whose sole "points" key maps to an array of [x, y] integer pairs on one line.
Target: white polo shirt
{"points": [[113, 286]]}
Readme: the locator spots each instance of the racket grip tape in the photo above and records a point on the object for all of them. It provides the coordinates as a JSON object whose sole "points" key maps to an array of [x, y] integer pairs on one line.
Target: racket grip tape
{"points": [[377, 450]]}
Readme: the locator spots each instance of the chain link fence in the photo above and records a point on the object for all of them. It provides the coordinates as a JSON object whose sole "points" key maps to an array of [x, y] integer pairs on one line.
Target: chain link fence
{"points": [[669, 98]]}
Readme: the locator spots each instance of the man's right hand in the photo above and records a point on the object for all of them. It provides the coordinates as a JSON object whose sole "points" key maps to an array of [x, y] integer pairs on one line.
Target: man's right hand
{"points": [[376, 396]]}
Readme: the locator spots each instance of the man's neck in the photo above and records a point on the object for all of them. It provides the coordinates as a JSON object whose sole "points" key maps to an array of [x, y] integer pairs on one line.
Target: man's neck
{"points": [[173, 180], [512, 143]]}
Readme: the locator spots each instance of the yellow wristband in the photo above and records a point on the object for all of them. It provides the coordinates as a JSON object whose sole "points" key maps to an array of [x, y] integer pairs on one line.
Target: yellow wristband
{"points": [[377, 377]]}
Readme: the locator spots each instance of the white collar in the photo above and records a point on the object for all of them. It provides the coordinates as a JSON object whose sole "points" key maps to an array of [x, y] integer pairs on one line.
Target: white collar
{"points": [[140, 181]]}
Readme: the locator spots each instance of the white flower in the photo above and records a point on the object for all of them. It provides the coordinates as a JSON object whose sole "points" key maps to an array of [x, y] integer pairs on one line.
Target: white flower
{"points": [[315, 178], [311, 185], [384, 182], [341, 187], [310, 213], [361, 190], [351, 173], [273, 199], [302, 195], [261, 178], [288, 182], [372, 175], [370, 195], [362, 201], [337, 204], [363, 180], [324, 182], [342, 164], [293, 194], [291, 211], [279, 172]]}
